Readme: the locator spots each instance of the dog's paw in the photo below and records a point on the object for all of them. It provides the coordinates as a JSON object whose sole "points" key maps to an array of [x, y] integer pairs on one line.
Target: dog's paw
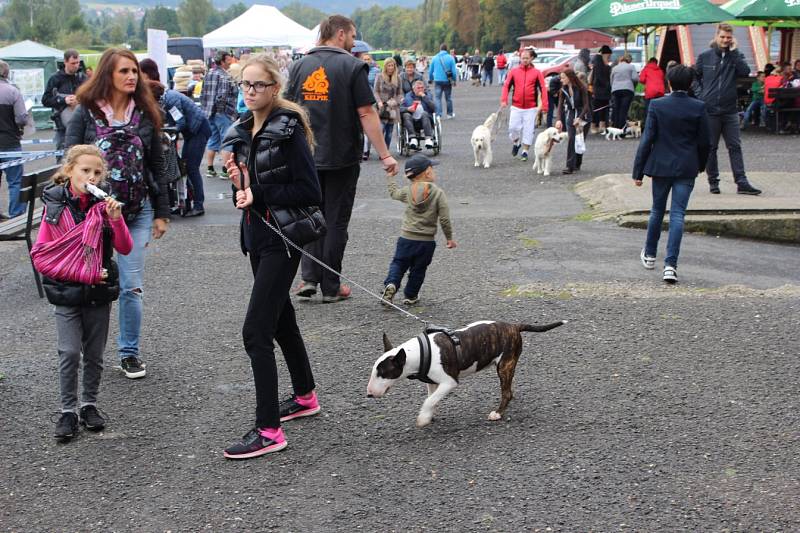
{"points": [[546, 174], [477, 164], [494, 415], [423, 421], [486, 165]]}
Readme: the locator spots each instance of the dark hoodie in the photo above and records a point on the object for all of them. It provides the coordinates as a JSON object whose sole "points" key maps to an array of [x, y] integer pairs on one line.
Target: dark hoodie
{"points": [[425, 203]]}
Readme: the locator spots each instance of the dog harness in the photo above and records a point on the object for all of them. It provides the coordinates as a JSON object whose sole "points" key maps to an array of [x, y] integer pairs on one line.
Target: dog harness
{"points": [[425, 351]]}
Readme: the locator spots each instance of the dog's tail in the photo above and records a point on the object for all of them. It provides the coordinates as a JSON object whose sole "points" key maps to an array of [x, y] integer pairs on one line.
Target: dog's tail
{"points": [[546, 327]]}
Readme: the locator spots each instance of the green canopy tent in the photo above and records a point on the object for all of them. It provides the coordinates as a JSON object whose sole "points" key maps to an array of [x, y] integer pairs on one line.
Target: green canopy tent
{"points": [[767, 13], [642, 13], [31, 66]]}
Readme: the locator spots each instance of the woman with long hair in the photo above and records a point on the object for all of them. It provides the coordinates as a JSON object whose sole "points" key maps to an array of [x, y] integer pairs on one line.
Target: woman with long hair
{"points": [[119, 114], [271, 164], [574, 113], [388, 94]]}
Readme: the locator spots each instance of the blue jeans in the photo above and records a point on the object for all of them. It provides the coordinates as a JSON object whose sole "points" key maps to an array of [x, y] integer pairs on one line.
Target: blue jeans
{"points": [[131, 278], [501, 75], [219, 127], [439, 88], [14, 179], [412, 257], [757, 107], [388, 128], [488, 76], [194, 146], [681, 190]]}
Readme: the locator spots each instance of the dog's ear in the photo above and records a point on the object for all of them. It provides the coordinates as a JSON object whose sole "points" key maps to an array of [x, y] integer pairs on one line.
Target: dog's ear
{"points": [[387, 345], [400, 358]]}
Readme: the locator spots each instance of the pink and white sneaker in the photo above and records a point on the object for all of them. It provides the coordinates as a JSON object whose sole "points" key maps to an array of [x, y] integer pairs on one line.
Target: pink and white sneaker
{"points": [[296, 407], [257, 442]]}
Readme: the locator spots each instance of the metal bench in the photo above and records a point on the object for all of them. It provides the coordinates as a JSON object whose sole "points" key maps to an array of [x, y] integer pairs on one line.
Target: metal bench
{"points": [[20, 228]]}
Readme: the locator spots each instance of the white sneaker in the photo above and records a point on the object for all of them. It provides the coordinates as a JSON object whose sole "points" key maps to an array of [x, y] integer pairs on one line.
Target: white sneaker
{"points": [[429, 144], [648, 262], [413, 143], [670, 274]]}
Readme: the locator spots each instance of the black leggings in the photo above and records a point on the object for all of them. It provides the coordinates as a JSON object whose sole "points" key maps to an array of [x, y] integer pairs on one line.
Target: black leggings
{"points": [[270, 317]]}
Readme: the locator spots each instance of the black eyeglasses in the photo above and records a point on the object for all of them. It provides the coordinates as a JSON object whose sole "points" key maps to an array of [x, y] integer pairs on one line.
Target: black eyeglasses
{"points": [[257, 86]]}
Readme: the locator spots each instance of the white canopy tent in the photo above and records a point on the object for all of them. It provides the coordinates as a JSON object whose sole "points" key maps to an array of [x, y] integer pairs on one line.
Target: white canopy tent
{"points": [[30, 49], [259, 26]]}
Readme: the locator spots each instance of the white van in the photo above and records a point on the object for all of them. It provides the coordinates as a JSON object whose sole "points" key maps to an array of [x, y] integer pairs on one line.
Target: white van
{"points": [[637, 56]]}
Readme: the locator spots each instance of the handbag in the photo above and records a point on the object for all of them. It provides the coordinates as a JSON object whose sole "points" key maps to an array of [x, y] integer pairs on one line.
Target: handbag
{"points": [[384, 113], [76, 255], [580, 144], [300, 225]]}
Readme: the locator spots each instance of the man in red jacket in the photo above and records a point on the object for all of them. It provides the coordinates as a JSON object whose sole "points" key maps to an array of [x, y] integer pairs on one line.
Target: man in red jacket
{"points": [[528, 85], [653, 79]]}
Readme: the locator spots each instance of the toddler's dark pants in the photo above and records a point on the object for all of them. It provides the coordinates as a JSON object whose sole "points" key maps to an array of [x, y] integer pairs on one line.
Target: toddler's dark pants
{"points": [[413, 257]]}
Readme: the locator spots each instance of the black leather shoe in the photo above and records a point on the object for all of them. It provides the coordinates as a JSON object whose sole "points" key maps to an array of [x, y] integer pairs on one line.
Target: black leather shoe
{"points": [[3, 216], [746, 188], [567, 171], [195, 213], [713, 188]]}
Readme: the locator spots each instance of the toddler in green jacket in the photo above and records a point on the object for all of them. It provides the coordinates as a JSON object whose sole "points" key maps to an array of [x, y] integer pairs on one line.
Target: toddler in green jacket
{"points": [[426, 204]]}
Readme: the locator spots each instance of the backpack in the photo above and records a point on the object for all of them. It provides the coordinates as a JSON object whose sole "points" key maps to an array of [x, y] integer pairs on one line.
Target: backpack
{"points": [[124, 154]]}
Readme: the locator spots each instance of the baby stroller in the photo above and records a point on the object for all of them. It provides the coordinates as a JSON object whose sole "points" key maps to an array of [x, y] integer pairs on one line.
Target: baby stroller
{"points": [[180, 194], [403, 142]]}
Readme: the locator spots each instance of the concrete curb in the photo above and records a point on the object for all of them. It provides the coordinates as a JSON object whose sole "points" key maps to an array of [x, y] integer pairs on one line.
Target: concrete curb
{"points": [[774, 217]]}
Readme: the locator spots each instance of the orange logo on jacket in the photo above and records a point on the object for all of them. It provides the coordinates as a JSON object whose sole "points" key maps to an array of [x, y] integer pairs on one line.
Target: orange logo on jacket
{"points": [[316, 86]]}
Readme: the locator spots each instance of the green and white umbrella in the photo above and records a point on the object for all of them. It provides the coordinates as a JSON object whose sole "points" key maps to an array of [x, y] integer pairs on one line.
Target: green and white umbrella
{"points": [[620, 13], [774, 10]]}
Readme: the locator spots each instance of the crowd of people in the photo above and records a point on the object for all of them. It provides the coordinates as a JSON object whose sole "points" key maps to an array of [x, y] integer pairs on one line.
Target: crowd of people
{"points": [[292, 134]]}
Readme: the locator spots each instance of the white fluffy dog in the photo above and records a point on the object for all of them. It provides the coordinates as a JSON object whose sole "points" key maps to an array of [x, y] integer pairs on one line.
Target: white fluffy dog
{"points": [[615, 134], [543, 149], [482, 142]]}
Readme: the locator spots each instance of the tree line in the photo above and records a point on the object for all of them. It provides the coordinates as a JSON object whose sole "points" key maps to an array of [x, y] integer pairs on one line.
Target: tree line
{"points": [[463, 24]]}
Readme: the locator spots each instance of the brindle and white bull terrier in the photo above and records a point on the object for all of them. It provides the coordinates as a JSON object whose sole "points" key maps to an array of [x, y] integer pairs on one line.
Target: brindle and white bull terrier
{"points": [[482, 343]]}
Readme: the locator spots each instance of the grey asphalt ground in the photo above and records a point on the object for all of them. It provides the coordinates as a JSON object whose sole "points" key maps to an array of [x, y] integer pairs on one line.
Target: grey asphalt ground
{"points": [[655, 408]]}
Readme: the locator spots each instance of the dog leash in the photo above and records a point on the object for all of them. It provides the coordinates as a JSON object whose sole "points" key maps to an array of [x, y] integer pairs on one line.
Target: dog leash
{"points": [[353, 282]]}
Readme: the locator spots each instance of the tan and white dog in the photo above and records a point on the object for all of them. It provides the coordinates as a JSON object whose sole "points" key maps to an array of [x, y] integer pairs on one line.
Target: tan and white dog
{"points": [[543, 149], [481, 345], [635, 128], [482, 142]]}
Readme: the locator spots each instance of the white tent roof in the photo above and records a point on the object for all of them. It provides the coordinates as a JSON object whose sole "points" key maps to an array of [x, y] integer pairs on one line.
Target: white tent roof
{"points": [[258, 26], [30, 49]]}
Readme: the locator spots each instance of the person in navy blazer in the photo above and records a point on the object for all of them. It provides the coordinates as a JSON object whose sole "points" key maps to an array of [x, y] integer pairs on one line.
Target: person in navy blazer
{"points": [[673, 150]]}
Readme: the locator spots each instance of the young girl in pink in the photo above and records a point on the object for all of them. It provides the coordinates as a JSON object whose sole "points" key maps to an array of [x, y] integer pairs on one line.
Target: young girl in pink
{"points": [[82, 295]]}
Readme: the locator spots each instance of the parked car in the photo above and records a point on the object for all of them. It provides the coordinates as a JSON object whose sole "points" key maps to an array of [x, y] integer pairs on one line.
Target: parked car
{"points": [[379, 56], [637, 56], [558, 64]]}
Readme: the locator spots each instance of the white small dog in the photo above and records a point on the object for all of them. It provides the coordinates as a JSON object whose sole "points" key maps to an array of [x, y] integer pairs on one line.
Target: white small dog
{"points": [[543, 149], [615, 134], [482, 142]]}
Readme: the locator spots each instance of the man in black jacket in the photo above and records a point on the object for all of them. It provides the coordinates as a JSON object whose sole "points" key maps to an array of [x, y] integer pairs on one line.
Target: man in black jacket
{"points": [[332, 86], [716, 72], [59, 95]]}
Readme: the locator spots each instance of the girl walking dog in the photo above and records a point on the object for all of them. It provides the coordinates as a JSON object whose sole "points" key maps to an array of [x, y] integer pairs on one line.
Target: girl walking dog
{"points": [[73, 252], [271, 165]]}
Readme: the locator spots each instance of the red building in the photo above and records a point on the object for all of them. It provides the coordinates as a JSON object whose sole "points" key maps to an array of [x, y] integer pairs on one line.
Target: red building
{"points": [[591, 39]]}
